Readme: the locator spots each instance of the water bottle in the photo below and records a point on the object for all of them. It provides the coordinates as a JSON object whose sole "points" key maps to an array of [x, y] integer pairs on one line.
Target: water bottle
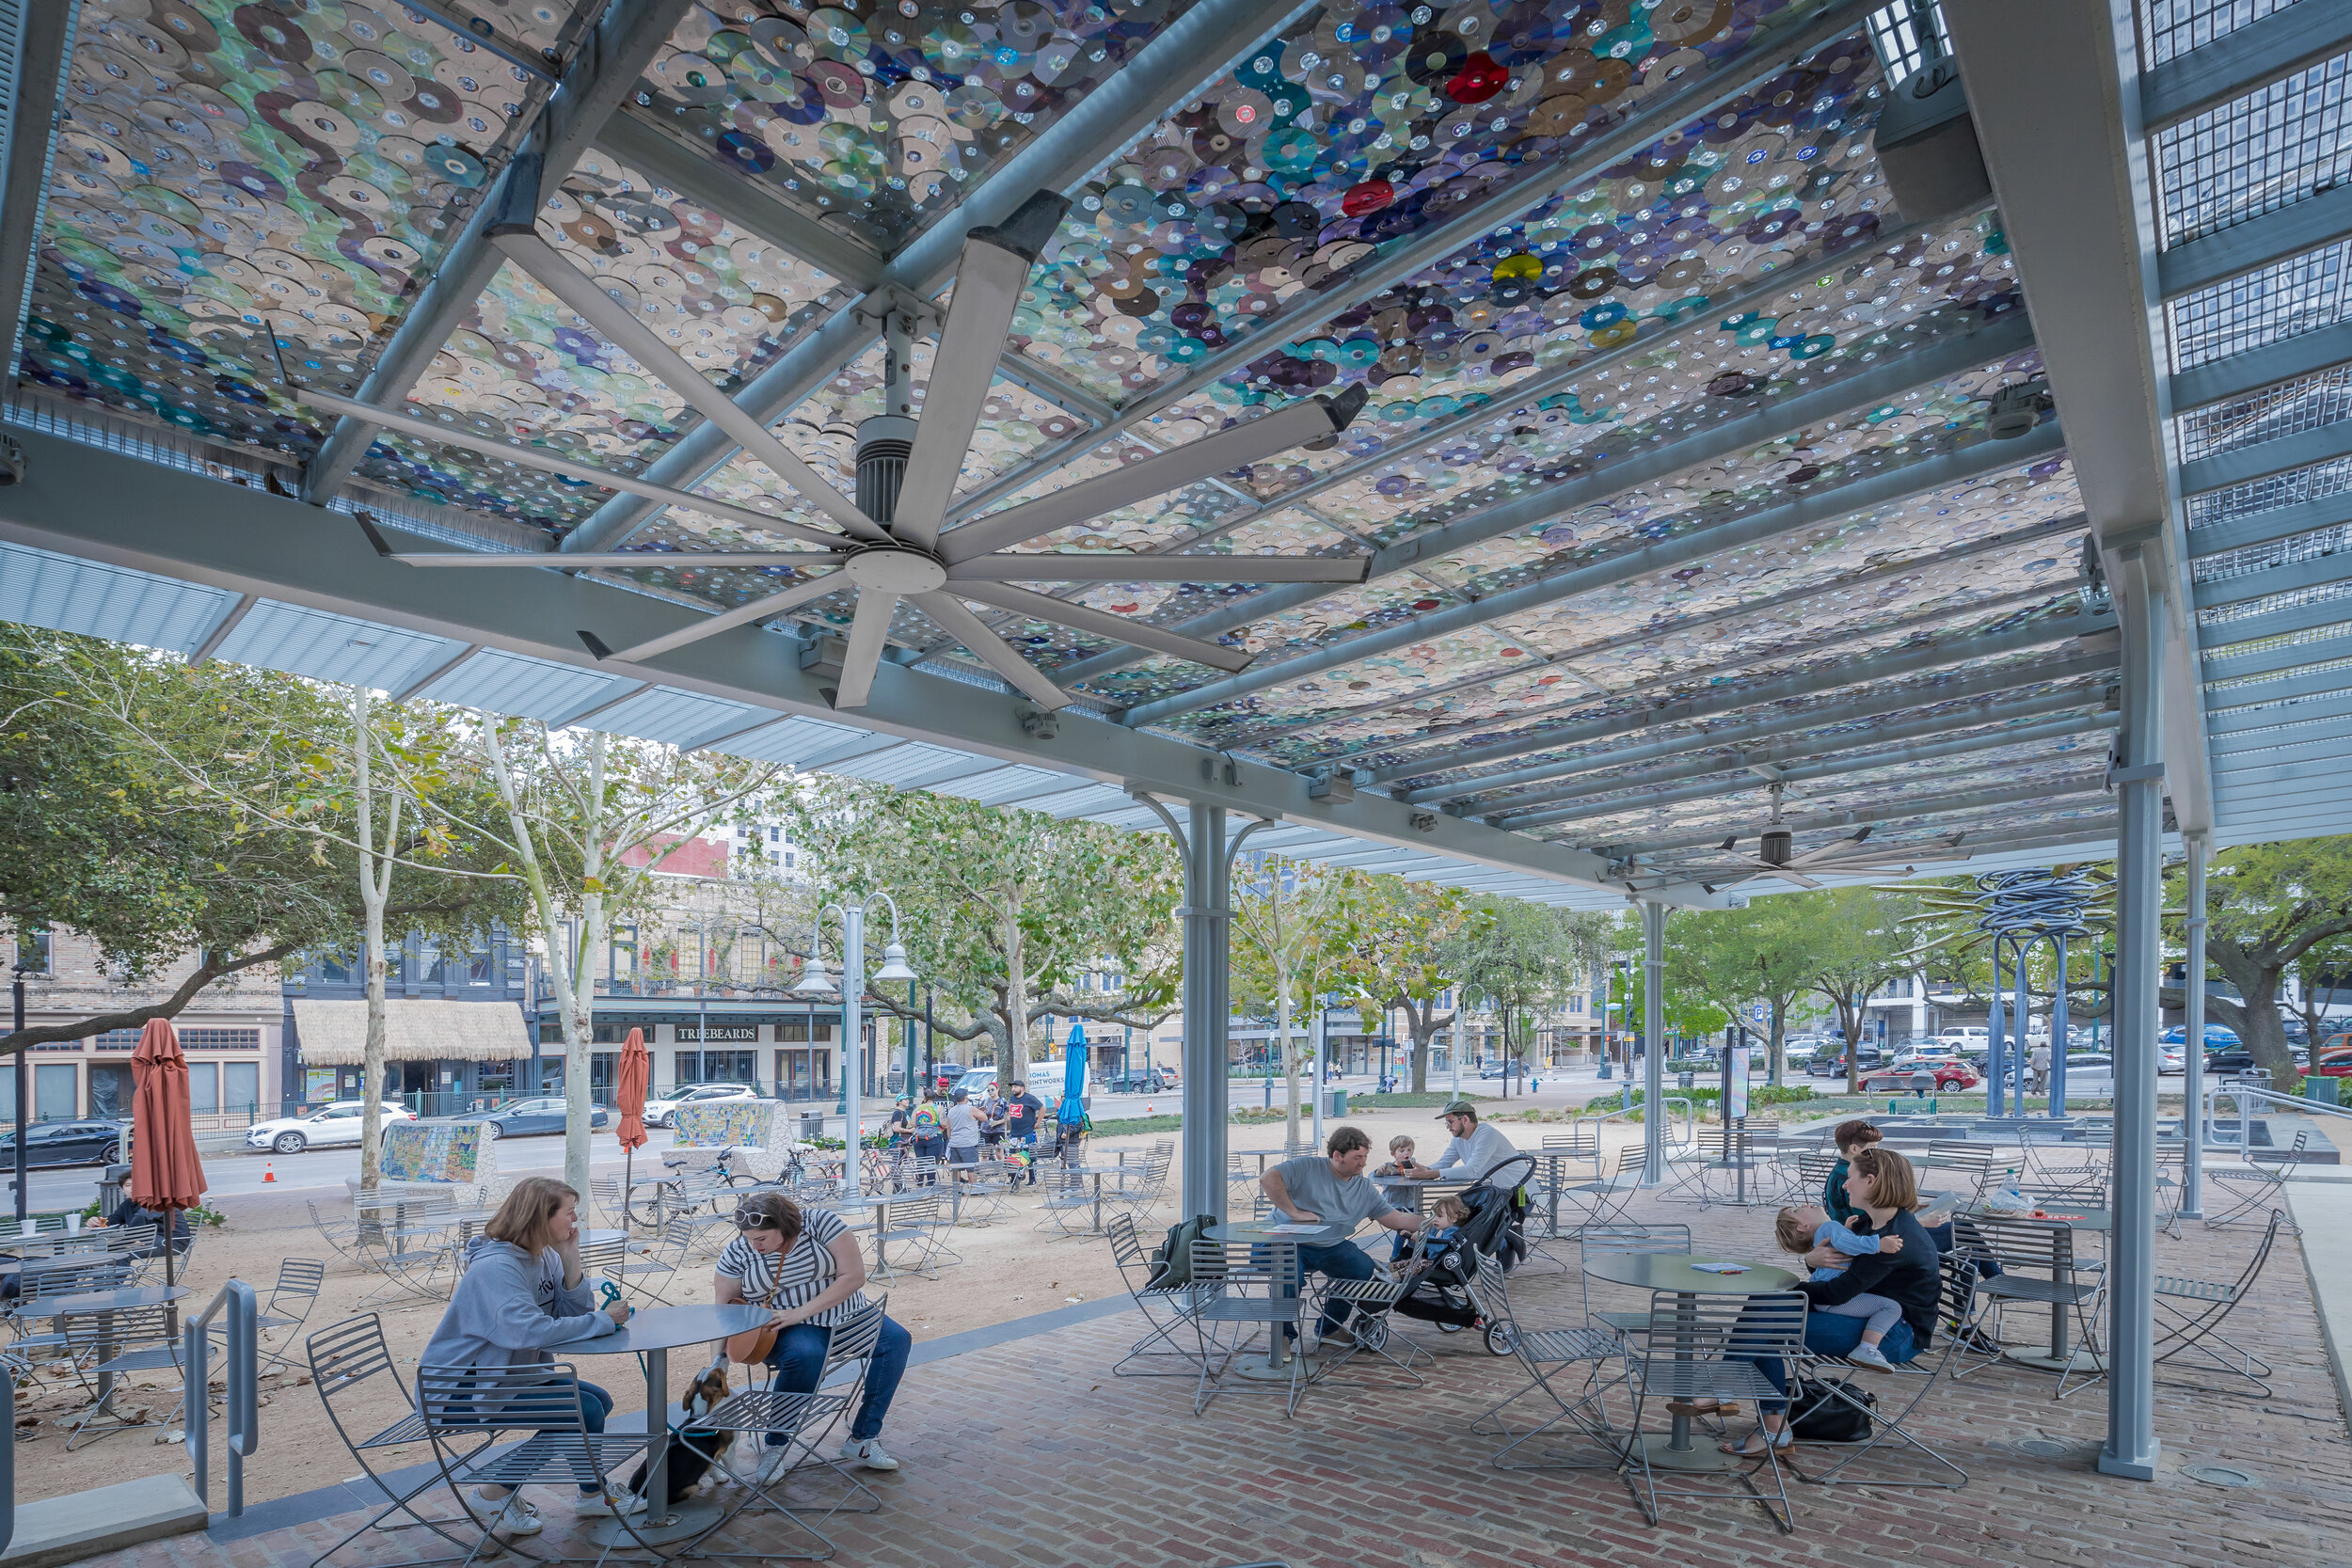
{"points": [[2009, 1198]]}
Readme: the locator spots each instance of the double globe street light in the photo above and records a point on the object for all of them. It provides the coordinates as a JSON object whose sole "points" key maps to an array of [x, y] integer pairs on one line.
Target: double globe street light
{"points": [[817, 981]]}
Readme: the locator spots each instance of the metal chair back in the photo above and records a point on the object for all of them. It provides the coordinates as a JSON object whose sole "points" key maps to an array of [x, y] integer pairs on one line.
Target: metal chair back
{"points": [[1705, 1346], [2018, 1244], [544, 1397]]}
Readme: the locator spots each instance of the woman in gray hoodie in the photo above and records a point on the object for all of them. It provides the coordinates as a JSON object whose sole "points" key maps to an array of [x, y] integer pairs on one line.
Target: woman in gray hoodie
{"points": [[523, 1291]]}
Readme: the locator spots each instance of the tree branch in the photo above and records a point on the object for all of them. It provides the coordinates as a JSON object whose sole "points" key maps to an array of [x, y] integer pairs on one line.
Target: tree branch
{"points": [[212, 969]]}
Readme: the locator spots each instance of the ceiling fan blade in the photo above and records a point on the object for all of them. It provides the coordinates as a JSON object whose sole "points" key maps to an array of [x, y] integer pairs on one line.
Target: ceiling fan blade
{"points": [[1102, 622], [1797, 877], [1308, 419], [1834, 847], [611, 560], [758, 609], [956, 619], [620, 326], [989, 281], [868, 631], [549, 462], [1104, 566]]}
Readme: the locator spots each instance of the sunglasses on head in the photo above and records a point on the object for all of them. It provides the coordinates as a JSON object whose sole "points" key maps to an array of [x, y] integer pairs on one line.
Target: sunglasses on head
{"points": [[756, 1219]]}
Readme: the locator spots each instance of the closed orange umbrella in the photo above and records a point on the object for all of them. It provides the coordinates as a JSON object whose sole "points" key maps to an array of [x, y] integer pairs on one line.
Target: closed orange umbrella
{"points": [[165, 1175], [628, 1097]]}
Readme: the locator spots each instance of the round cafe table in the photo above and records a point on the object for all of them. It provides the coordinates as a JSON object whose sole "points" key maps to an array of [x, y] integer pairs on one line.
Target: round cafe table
{"points": [[653, 1332], [1674, 1272], [1274, 1366]]}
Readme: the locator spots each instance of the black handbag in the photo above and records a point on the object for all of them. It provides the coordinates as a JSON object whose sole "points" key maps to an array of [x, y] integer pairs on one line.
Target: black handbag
{"points": [[1831, 1410]]}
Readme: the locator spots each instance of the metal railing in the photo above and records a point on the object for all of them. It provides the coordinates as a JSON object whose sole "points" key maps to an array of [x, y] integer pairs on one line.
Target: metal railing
{"points": [[243, 1397], [2247, 1094], [1673, 1102]]}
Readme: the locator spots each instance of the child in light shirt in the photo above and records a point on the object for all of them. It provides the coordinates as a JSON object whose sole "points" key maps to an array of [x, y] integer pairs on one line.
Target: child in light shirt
{"points": [[1801, 1230]]}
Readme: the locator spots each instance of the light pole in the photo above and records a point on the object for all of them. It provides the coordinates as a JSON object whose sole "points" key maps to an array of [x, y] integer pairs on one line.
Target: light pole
{"points": [[23, 1090], [817, 982]]}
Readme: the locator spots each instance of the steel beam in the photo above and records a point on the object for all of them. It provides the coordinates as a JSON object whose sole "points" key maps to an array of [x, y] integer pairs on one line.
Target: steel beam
{"points": [[2255, 242], [2270, 49], [2248, 719], [2085, 231], [2318, 683], [2283, 578], [1861, 762], [230, 619], [1871, 706], [1894, 810], [97, 504], [448, 666], [36, 71], [2288, 360], [611, 60], [2275, 741], [1765, 57], [1567, 658], [1200, 46], [2265, 458], [1937, 361], [1770, 756], [2287, 655], [1653, 1043], [1713, 705]]}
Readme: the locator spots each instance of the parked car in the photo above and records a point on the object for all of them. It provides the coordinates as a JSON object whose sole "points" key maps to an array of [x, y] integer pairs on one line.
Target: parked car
{"points": [[2090, 1075], [1802, 1047], [1950, 1077], [2299, 1033], [976, 1081], [943, 1075], [69, 1143], [339, 1123], [2334, 1059], [521, 1117], [1832, 1063], [1137, 1081], [2172, 1056], [2230, 1058], [663, 1112], [2216, 1036], [1965, 1040]]}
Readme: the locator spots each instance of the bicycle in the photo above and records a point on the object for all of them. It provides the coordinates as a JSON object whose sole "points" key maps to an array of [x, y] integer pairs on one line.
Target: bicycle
{"points": [[685, 1190]]}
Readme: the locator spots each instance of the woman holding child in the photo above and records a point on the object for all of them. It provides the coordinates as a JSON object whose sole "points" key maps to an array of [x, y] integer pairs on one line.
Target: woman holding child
{"points": [[1903, 1272]]}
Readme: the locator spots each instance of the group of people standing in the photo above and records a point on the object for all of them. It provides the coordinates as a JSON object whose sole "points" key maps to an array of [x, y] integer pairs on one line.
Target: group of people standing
{"points": [[955, 1129]]}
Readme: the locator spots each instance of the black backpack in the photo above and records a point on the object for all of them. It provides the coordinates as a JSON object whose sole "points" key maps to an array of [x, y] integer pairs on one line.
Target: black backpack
{"points": [[1171, 1260], [1818, 1416]]}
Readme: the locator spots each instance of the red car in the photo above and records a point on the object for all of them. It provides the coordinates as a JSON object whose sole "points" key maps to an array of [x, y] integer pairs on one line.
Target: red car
{"points": [[1949, 1076], [2335, 1063]]}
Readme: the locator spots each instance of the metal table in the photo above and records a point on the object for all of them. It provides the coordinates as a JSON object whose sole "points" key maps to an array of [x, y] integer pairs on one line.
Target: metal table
{"points": [[1651, 1271], [1275, 1366], [879, 1203], [653, 1334], [1118, 1173], [105, 1304]]}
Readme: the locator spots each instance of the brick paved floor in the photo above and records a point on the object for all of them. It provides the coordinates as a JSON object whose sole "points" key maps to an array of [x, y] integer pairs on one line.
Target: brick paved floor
{"points": [[1029, 1454]]}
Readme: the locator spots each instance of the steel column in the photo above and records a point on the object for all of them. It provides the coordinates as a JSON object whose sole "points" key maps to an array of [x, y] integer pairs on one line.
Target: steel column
{"points": [[2021, 952], [1653, 1043], [1996, 1045], [2132, 1445], [1208, 918], [2193, 1039], [2056, 1087]]}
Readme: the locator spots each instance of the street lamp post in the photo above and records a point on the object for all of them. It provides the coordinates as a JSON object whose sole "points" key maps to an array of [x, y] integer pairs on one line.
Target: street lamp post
{"points": [[817, 982], [23, 1090]]}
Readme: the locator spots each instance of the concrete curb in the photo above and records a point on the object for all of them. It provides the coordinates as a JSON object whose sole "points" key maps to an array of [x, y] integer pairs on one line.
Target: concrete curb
{"points": [[81, 1525], [2327, 1239]]}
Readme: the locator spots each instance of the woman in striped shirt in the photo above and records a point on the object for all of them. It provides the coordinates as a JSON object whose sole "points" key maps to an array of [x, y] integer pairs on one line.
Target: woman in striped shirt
{"points": [[807, 1265]]}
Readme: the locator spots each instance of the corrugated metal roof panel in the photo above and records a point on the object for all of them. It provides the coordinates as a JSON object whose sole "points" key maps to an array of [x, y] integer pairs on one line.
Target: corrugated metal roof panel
{"points": [[910, 765], [1008, 782], [797, 738], [91, 598], [328, 647], [673, 717], [499, 682]]}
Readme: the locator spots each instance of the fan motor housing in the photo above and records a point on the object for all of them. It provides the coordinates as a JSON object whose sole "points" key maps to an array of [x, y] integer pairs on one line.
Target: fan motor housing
{"points": [[884, 442], [1779, 846]]}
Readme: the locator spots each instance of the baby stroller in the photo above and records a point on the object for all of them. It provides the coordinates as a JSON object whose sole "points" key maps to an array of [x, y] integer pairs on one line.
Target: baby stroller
{"points": [[1436, 1264]]}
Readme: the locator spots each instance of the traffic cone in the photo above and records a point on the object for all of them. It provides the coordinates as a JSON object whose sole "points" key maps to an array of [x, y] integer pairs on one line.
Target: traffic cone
{"points": [[269, 1173]]}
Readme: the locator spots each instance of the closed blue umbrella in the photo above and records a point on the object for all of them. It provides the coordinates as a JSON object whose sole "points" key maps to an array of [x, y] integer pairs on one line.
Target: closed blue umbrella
{"points": [[1073, 1083]]}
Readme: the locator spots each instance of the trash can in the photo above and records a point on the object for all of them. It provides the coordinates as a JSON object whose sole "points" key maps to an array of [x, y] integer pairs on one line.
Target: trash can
{"points": [[812, 1126], [1338, 1106], [2323, 1091], [110, 1182], [1685, 1080]]}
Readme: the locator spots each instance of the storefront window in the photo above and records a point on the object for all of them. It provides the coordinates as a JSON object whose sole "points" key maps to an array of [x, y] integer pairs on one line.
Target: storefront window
{"points": [[240, 1088], [203, 1088], [54, 1091]]}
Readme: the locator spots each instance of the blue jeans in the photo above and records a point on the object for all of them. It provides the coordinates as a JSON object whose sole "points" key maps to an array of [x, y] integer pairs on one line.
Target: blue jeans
{"points": [[1345, 1261], [799, 1359], [1829, 1334]]}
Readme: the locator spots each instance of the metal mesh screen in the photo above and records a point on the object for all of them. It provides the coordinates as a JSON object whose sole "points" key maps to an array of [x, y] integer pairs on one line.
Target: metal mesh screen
{"points": [[2305, 403], [2172, 27], [2299, 294], [2257, 154], [2292, 488]]}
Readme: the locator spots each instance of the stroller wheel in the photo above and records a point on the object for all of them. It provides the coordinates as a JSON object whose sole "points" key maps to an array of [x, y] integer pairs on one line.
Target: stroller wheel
{"points": [[1371, 1330], [1501, 1338], [1449, 1328]]}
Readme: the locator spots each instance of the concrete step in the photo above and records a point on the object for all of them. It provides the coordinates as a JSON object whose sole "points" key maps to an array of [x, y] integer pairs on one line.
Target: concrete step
{"points": [[108, 1518]]}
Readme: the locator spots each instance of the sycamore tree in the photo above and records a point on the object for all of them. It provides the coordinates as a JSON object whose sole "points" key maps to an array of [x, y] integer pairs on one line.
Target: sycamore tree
{"points": [[1004, 911], [1762, 954], [1860, 943], [2269, 906], [1521, 958], [1296, 930], [1688, 1012], [588, 821], [1403, 958]]}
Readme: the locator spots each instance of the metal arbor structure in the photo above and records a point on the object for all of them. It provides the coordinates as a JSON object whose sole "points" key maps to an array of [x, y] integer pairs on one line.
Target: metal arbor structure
{"points": [[1723, 426], [2023, 908]]}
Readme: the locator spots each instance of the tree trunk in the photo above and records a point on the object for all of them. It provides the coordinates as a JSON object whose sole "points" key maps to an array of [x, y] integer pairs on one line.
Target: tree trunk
{"points": [[580, 1031], [2256, 1015], [1851, 1025], [375, 877], [1016, 992], [1290, 1065], [1421, 1037], [1776, 1051]]}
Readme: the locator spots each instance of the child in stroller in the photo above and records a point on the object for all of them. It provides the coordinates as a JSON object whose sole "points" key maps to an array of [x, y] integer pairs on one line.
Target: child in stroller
{"points": [[1436, 1262]]}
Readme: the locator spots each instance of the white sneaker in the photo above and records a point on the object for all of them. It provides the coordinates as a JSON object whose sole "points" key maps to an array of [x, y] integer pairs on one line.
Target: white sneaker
{"points": [[515, 1516], [1870, 1356], [774, 1465], [869, 1453], [608, 1504]]}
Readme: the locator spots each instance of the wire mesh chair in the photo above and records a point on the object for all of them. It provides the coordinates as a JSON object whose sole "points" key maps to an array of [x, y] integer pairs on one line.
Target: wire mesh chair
{"points": [[341, 1235], [1244, 1287], [650, 1274], [2190, 1314], [1621, 1241], [344, 1357], [463, 1404], [1547, 1355], [1956, 1305], [2255, 1183], [1700, 1348], [1970, 1164], [2073, 1287], [290, 1300], [799, 1422], [1602, 1202], [913, 1224], [1166, 1311]]}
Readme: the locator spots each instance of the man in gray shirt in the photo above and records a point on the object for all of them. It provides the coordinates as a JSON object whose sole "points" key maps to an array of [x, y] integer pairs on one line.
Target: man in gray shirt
{"points": [[963, 1132], [1333, 1189]]}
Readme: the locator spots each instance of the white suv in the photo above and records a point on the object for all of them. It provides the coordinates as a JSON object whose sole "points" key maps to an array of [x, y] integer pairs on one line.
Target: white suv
{"points": [[339, 1123], [663, 1112]]}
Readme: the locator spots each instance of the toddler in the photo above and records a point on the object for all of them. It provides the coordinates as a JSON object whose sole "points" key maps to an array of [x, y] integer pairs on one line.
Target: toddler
{"points": [[1413, 1253], [1799, 1230], [1400, 1157]]}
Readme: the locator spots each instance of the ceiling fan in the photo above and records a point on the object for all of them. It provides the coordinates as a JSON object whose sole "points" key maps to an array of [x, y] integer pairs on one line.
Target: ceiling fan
{"points": [[1777, 857], [890, 544]]}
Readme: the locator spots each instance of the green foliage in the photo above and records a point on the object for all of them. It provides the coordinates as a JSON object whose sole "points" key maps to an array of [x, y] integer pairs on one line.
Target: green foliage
{"points": [[1405, 946], [1002, 910], [1860, 943], [2269, 908], [1739, 957], [1522, 957]]}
